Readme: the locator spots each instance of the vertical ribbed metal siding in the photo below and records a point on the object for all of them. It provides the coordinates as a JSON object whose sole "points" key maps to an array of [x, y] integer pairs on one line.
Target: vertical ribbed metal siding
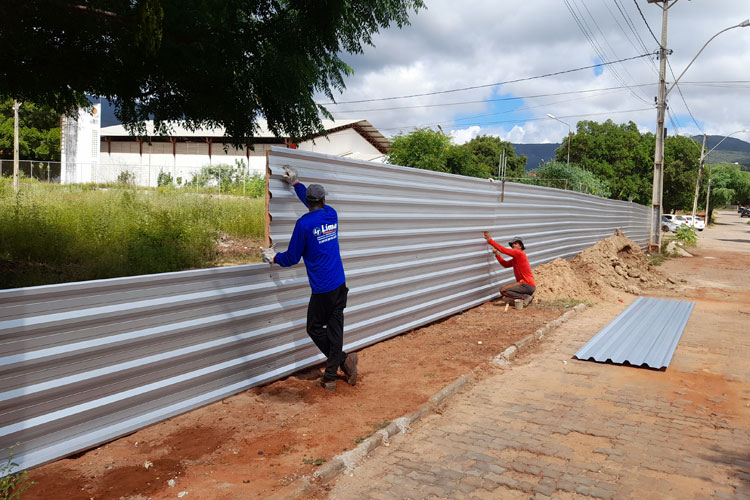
{"points": [[82, 363], [644, 334]]}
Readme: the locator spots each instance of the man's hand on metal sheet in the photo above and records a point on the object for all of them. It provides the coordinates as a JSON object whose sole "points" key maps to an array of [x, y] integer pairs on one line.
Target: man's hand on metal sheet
{"points": [[268, 254], [487, 236], [290, 176]]}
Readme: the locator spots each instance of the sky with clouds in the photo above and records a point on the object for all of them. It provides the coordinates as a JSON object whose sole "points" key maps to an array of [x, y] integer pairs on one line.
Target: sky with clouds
{"points": [[481, 44]]}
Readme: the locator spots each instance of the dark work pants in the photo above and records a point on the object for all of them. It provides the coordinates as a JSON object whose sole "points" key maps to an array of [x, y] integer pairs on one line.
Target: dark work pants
{"points": [[518, 290], [325, 326]]}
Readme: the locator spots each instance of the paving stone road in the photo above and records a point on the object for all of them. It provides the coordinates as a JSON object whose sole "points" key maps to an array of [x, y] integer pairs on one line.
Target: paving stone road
{"points": [[554, 427]]}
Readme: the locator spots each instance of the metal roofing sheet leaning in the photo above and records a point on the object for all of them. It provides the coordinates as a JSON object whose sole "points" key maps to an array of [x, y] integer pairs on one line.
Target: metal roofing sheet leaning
{"points": [[644, 334]]}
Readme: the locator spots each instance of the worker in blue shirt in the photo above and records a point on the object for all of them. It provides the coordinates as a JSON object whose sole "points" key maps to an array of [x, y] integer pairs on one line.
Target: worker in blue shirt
{"points": [[315, 238]]}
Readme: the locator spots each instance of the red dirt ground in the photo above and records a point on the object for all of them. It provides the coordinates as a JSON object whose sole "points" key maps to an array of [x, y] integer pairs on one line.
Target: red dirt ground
{"points": [[256, 442]]}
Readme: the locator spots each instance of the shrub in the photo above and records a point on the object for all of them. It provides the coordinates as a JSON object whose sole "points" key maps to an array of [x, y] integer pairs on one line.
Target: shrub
{"points": [[126, 177], [687, 235], [164, 179]]}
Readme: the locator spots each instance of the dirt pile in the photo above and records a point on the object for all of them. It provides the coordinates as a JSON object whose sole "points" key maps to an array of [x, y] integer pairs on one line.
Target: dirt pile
{"points": [[599, 272]]}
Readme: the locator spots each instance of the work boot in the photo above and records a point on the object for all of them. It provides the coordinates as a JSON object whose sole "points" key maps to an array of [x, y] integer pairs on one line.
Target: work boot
{"points": [[350, 368], [328, 385], [528, 300]]}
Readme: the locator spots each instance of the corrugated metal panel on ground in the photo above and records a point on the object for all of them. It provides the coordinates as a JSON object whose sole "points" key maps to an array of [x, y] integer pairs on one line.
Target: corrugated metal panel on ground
{"points": [[82, 363], [644, 334]]}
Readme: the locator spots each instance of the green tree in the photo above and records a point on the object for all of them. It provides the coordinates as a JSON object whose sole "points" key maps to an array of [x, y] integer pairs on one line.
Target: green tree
{"points": [[204, 63], [729, 184], [422, 148], [617, 154], [433, 150], [578, 179], [681, 157], [38, 131], [487, 150]]}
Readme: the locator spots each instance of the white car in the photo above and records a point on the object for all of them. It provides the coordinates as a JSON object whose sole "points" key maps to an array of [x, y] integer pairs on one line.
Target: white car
{"points": [[667, 224], [676, 220], [698, 224]]}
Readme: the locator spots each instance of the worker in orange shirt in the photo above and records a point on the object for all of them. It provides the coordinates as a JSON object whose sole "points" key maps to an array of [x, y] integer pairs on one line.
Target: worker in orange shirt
{"points": [[524, 287]]}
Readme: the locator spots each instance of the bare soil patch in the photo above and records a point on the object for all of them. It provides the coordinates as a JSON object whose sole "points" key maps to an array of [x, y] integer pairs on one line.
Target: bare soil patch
{"points": [[600, 272], [233, 251]]}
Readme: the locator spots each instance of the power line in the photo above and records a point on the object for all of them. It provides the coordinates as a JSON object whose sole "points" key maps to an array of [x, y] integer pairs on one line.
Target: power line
{"points": [[647, 25], [474, 87], [499, 99], [670, 70], [525, 120], [588, 33]]}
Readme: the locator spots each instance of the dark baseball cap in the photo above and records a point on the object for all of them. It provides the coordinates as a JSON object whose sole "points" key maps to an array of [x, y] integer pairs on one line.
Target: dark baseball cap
{"points": [[315, 192], [517, 239]]}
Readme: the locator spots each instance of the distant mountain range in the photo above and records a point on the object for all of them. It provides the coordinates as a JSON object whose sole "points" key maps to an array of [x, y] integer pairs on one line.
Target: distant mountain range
{"points": [[731, 150], [536, 153]]}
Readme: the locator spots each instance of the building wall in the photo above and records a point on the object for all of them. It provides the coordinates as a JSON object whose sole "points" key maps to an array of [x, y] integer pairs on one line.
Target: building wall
{"points": [[120, 156], [343, 143], [79, 152]]}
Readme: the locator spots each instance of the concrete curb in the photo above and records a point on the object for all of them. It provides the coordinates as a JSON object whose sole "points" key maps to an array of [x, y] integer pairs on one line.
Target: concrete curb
{"points": [[347, 461], [504, 358]]}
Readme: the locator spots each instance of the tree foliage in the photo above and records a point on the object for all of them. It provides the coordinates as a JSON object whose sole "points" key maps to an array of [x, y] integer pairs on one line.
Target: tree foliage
{"points": [[681, 159], [38, 131], [487, 151], [623, 157], [422, 148], [617, 154], [729, 184], [205, 63], [433, 150], [578, 179]]}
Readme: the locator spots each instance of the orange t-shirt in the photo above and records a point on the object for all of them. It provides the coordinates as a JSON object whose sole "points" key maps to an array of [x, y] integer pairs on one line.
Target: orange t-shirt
{"points": [[519, 262]]}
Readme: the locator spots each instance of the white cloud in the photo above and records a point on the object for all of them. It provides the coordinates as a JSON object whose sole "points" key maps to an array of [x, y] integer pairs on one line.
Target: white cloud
{"points": [[462, 136], [485, 42]]}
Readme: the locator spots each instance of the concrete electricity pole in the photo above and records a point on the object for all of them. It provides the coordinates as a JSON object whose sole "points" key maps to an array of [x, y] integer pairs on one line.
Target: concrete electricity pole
{"points": [[661, 107], [16, 105], [698, 180]]}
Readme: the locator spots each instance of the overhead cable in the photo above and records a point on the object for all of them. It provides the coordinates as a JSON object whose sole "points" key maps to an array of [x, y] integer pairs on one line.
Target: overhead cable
{"points": [[474, 87]]}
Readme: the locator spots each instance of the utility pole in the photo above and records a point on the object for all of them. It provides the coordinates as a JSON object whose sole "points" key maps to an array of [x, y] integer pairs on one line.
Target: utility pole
{"points": [[708, 197], [661, 106], [698, 180], [16, 105]]}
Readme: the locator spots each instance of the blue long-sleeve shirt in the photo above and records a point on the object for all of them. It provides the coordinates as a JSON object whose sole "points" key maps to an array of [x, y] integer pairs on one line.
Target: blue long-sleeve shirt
{"points": [[316, 239]]}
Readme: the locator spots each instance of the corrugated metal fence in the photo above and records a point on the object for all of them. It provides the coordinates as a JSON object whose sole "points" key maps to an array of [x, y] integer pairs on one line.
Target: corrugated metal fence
{"points": [[82, 363]]}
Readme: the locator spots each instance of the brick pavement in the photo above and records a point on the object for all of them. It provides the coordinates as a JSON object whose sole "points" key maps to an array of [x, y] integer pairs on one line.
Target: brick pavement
{"points": [[554, 427]]}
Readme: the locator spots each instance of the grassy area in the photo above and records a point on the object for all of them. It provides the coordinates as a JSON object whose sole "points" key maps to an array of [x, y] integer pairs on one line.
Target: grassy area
{"points": [[51, 233]]}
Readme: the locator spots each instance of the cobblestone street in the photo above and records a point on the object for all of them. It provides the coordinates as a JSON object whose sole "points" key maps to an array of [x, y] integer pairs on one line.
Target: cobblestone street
{"points": [[551, 426]]}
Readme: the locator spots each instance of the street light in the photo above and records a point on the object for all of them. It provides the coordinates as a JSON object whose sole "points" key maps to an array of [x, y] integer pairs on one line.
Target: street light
{"points": [[569, 133], [658, 188], [700, 170]]}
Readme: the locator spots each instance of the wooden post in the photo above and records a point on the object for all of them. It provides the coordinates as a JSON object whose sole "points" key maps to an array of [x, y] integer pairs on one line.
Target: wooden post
{"points": [[268, 202]]}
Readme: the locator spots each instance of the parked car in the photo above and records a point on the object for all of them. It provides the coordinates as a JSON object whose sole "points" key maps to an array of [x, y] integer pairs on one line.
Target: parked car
{"points": [[677, 220], [667, 224], [744, 212], [698, 224]]}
